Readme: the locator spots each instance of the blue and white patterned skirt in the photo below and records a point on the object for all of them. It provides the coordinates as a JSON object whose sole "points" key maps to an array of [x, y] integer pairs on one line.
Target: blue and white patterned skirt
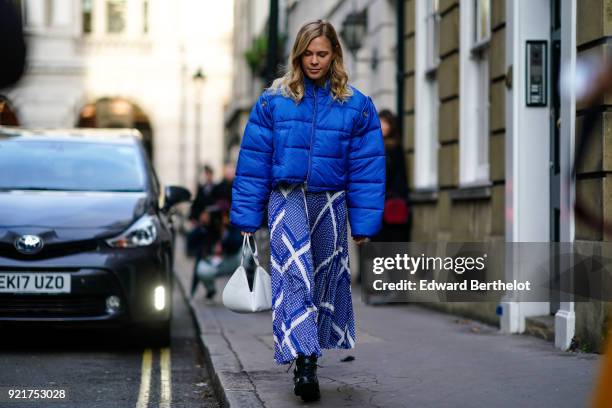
{"points": [[311, 281]]}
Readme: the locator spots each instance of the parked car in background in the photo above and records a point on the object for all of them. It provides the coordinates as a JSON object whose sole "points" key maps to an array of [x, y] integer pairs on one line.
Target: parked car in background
{"points": [[85, 233]]}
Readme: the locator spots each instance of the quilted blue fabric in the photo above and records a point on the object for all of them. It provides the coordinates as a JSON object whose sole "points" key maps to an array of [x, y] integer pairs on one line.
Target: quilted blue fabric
{"points": [[328, 145], [311, 281]]}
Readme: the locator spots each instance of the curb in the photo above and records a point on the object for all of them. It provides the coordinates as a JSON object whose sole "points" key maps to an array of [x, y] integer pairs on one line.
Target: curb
{"points": [[231, 383]]}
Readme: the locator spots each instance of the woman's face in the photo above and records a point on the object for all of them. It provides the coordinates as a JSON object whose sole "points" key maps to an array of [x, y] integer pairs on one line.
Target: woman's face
{"points": [[317, 59]]}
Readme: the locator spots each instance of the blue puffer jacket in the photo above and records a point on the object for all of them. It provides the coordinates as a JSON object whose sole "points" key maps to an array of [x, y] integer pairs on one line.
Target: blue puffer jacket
{"points": [[326, 144]]}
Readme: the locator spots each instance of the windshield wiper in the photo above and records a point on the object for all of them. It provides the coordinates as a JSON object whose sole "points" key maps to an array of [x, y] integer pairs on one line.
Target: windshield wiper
{"points": [[31, 189]]}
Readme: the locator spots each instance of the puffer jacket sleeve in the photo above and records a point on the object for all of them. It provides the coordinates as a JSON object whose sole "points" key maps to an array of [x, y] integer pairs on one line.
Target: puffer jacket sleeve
{"points": [[252, 184], [366, 178]]}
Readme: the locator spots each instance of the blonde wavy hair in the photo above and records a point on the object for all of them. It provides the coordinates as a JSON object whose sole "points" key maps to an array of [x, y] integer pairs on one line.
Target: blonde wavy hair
{"points": [[292, 83]]}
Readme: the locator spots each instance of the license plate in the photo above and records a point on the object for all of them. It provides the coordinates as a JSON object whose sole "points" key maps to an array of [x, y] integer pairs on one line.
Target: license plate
{"points": [[22, 282]]}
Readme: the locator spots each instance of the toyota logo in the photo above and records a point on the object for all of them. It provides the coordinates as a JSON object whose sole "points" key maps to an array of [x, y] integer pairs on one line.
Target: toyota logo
{"points": [[29, 244]]}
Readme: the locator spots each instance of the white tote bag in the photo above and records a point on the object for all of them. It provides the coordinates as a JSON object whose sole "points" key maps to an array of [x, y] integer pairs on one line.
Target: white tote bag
{"points": [[237, 295]]}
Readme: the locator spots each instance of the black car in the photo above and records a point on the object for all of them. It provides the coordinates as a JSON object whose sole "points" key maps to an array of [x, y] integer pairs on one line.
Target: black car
{"points": [[86, 238]]}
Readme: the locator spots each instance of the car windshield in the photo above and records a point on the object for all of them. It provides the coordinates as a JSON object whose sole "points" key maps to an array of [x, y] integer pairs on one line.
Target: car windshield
{"points": [[72, 166]]}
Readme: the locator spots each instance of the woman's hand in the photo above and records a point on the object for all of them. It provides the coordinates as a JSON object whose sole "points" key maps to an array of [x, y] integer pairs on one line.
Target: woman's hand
{"points": [[204, 218], [360, 240], [248, 234]]}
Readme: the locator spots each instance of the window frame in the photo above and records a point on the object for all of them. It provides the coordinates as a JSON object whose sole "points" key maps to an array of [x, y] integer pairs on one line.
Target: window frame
{"points": [[107, 17], [481, 40], [432, 32], [474, 97], [91, 17], [427, 102], [146, 17]]}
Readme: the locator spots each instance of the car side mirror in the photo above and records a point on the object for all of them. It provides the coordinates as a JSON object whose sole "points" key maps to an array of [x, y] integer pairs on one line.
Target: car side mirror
{"points": [[175, 195]]}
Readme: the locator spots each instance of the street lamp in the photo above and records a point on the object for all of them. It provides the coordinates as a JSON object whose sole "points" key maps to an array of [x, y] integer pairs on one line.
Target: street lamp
{"points": [[354, 30], [198, 80]]}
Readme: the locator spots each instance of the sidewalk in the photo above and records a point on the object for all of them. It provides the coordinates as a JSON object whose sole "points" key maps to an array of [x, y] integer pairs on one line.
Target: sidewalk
{"points": [[405, 356]]}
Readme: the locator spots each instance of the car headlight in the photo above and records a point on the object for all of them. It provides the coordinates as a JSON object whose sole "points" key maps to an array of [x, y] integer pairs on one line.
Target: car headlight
{"points": [[142, 233]]}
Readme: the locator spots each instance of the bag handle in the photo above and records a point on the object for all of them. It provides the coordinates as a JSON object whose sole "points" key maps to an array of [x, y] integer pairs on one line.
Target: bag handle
{"points": [[246, 241]]}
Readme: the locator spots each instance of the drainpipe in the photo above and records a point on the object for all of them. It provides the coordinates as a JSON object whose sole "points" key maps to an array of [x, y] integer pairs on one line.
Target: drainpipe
{"points": [[272, 56], [399, 57]]}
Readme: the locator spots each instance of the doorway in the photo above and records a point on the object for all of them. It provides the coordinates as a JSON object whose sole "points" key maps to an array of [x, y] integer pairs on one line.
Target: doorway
{"points": [[118, 113]]}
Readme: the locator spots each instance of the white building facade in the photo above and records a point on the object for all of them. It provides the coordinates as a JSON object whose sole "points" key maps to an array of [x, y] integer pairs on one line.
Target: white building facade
{"points": [[140, 55], [250, 18], [373, 68]]}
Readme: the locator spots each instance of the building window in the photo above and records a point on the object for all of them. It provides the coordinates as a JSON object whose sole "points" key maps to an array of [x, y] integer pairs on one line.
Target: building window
{"points": [[482, 21], [115, 16], [86, 15], [432, 23], [474, 86], [426, 95], [48, 13], [145, 16]]}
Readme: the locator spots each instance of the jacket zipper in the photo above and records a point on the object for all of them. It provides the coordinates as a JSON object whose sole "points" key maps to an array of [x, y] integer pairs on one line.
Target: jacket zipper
{"points": [[314, 119]]}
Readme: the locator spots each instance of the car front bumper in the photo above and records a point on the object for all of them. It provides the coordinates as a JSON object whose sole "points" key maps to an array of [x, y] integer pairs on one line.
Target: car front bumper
{"points": [[130, 274]]}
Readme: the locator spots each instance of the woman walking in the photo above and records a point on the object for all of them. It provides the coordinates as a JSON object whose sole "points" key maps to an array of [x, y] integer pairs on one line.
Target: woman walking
{"points": [[313, 152], [395, 226]]}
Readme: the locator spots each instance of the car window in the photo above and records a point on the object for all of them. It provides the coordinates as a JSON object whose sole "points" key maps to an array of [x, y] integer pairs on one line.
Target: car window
{"points": [[65, 165], [153, 175]]}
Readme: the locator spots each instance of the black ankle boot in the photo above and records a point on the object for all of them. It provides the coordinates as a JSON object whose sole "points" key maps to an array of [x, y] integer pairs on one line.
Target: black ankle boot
{"points": [[306, 383]]}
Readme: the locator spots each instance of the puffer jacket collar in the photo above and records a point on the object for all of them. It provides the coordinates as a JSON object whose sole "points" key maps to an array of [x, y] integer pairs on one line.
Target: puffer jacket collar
{"points": [[310, 87]]}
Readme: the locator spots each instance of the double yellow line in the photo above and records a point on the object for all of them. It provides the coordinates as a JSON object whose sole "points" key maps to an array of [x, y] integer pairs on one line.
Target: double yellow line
{"points": [[165, 379]]}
